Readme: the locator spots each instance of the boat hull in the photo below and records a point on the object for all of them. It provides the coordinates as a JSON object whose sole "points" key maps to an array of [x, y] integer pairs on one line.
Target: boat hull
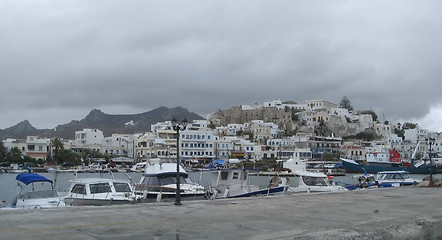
{"points": [[263, 192], [154, 197], [95, 202], [39, 203], [353, 167]]}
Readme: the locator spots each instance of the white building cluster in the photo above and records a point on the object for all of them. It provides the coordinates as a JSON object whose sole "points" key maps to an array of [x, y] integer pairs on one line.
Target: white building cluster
{"points": [[254, 140]]}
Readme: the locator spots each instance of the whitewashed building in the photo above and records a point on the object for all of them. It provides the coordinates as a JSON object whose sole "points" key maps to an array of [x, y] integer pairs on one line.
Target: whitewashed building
{"points": [[38, 147], [197, 142], [416, 135], [10, 143]]}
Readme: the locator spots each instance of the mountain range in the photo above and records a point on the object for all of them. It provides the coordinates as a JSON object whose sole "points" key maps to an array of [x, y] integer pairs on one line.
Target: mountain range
{"points": [[109, 124]]}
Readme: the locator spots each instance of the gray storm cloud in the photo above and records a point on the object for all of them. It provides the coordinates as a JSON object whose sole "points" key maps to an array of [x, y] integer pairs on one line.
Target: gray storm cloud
{"points": [[60, 59]]}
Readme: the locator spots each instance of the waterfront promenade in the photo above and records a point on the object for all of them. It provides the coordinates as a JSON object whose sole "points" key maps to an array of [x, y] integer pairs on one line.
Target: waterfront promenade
{"points": [[390, 213]]}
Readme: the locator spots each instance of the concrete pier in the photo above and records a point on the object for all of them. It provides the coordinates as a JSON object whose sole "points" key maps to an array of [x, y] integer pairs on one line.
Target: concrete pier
{"points": [[390, 213]]}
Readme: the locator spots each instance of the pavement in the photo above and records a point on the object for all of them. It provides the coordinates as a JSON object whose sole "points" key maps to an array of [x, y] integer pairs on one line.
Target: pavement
{"points": [[390, 213]]}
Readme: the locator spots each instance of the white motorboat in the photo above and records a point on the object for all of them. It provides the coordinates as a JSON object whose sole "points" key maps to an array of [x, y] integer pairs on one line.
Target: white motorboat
{"points": [[395, 179], [309, 181], [158, 183], [139, 167], [36, 191], [234, 182], [314, 182], [99, 191]]}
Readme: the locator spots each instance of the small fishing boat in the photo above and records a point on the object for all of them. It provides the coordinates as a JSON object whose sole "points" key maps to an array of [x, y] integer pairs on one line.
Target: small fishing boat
{"points": [[363, 181], [36, 191], [158, 183], [382, 180], [234, 182], [99, 191]]}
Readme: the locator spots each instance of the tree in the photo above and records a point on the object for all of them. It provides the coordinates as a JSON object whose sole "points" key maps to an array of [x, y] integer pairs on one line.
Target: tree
{"points": [[14, 155], [345, 103], [367, 135], [408, 125], [69, 157], [399, 132], [57, 144], [212, 125], [322, 130], [2, 152]]}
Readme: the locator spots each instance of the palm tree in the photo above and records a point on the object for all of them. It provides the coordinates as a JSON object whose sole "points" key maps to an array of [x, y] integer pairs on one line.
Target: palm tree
{"points": [[57, 144], [2, 152], [14, 155]]}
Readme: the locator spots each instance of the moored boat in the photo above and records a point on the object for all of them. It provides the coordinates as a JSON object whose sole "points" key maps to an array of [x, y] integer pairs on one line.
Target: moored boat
{"points": [[352, 166], [36, 191], [158, 183], [395, 179], [234, 182], [380, 158], [309, 181], [314, 182], [99, 191]]}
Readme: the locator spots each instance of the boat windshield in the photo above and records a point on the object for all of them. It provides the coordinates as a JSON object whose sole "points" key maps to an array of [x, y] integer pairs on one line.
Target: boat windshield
{"points": [[394, 176], [100, 188], [315, 181], [122, 187], [172, 180], [160, 181]]}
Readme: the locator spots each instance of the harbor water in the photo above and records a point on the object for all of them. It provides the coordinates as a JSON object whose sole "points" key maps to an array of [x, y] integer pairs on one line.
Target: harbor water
{"points": [[8, 184]]}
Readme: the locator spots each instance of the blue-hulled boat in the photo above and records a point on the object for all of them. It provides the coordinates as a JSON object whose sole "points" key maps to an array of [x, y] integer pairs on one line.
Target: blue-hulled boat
{"points": [[351, 166]]}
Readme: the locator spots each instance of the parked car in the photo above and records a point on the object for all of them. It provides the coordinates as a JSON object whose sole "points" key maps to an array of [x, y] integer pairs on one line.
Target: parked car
{"points": [[5, 164], [67, 164]]}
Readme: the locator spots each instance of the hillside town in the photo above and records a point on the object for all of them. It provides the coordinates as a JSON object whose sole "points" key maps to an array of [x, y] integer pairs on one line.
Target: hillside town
{"points": [[261, 135]]}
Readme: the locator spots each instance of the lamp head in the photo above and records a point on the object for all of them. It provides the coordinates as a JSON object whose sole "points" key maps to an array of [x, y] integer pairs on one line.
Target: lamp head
{"points": [[174, 121], [185, 122]]}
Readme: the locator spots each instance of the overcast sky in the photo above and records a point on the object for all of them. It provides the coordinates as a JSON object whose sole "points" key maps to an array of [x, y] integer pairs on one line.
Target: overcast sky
{"points": [[60, 59]]}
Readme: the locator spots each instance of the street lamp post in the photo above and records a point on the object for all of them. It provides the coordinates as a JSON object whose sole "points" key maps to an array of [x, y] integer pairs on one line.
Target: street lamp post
{"points": [[430, 142], [178, 127]]}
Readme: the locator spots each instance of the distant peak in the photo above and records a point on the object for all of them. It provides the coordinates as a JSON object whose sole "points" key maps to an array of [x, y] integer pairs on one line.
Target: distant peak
{"points": [[95, 114], [96, 111], [25, 123], [22, 126]]}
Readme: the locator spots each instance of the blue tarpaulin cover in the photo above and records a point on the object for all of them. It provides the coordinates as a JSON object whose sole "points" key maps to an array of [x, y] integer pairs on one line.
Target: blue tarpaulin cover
{"points": [[27, 178], [219, 161]]}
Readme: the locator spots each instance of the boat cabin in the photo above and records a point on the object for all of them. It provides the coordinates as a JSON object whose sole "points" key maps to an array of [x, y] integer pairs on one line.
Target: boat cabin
{"points": [[99, 191]]}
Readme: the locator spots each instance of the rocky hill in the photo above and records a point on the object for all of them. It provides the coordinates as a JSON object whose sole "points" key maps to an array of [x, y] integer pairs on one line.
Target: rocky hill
{"points": [[109, 124]]}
